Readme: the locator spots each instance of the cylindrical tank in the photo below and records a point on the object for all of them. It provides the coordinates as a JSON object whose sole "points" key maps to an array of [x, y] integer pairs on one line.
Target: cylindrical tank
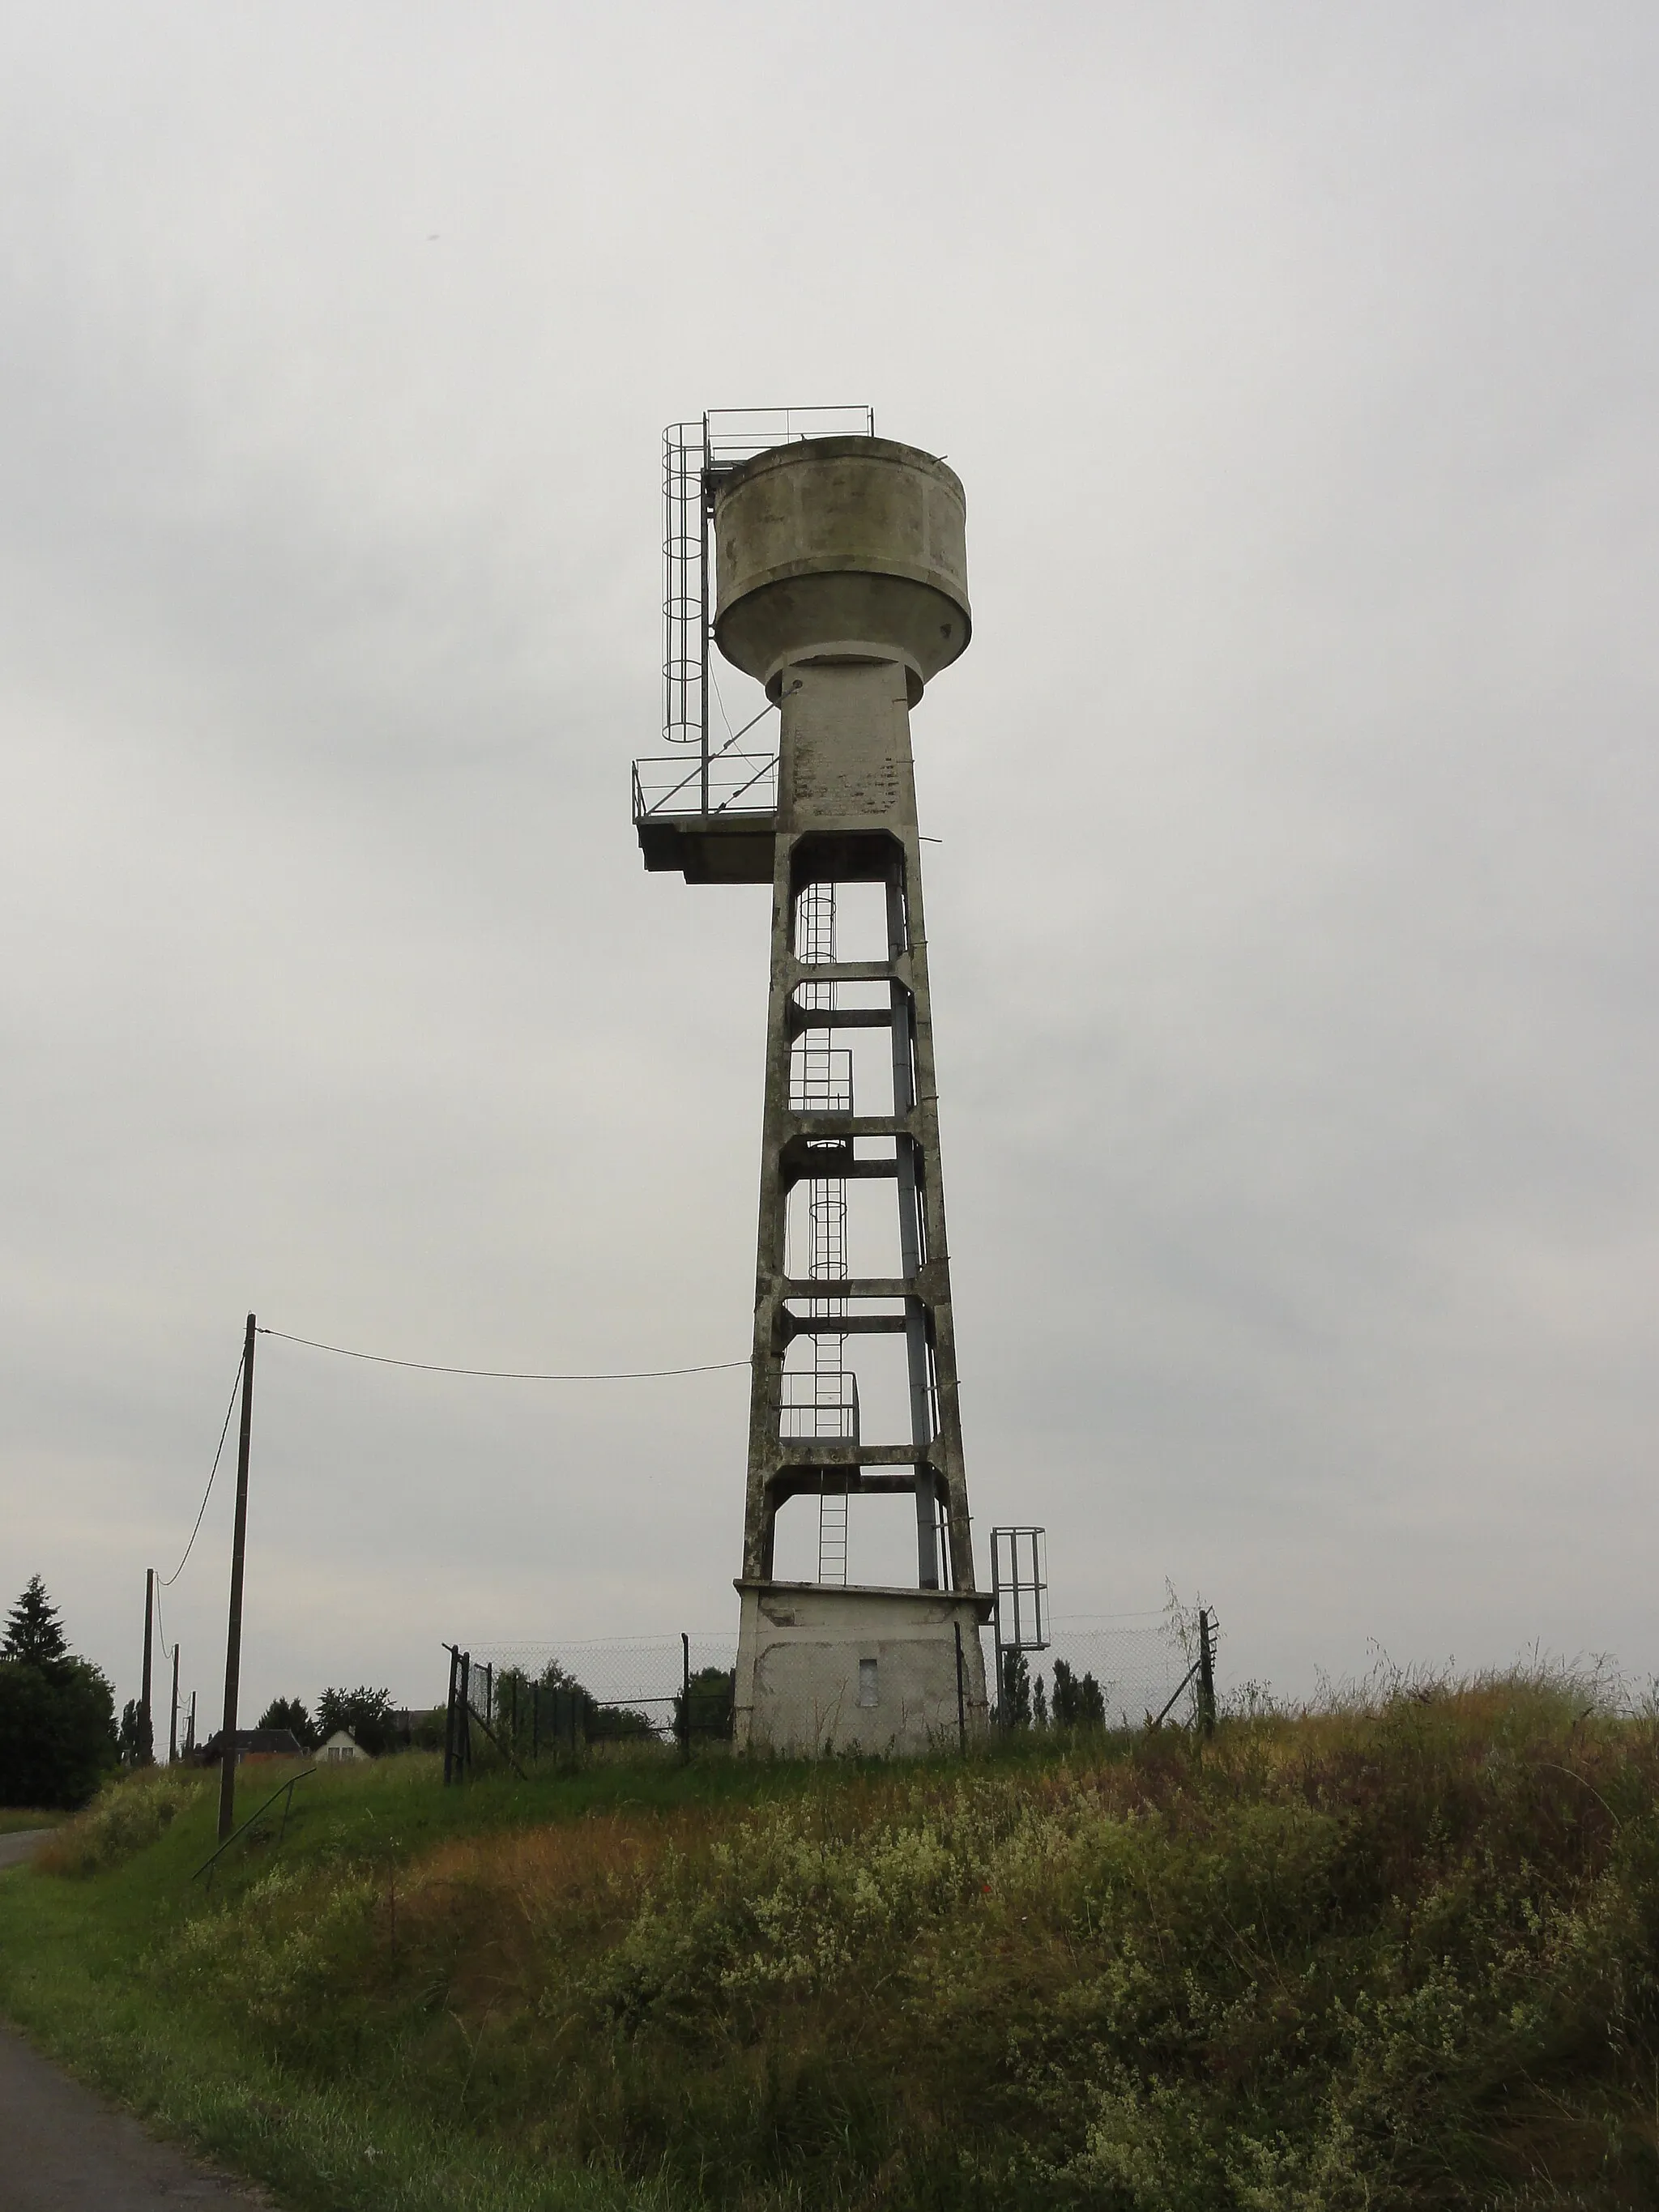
{"points": [[846, 547]]}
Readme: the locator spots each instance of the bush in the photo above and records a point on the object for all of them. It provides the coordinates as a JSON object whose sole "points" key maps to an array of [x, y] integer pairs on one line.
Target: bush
{"points": [[125, 1817], [57, 1731]]}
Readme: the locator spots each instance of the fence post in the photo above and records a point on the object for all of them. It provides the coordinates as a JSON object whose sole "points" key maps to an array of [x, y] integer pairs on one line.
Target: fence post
{"points": [[464, 1758], [535, 1722], [962, 1702], [449, 1720], [686, 1695], [1205, 1674]]}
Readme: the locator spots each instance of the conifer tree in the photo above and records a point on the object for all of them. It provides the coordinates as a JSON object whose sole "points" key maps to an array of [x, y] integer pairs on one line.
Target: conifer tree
{"points": [[290, 1713], [32, 1634], [56, 1712]]}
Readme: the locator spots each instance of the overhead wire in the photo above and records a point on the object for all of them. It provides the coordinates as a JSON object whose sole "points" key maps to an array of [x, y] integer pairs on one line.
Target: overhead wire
{"points": [[512, 1374], [715, 685], [162, 1581]]}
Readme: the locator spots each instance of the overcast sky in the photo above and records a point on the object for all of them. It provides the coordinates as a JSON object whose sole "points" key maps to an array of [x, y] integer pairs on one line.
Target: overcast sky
{"points": [[1294, 923]]}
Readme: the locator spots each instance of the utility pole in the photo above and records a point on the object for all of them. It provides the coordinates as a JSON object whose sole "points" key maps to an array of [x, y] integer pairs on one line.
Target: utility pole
{"points": [[189, 1727], [173, 1714], [234, 1638], [147, 1738]]}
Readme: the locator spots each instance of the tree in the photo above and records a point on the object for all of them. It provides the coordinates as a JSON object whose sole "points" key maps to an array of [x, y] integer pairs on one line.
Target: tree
{"points": [[617, 1725], [707, 1711], [563, 1709], [56, 1732], [56, 1712], [1016, 1691], [135, 1739], [290, 1713], [33, 1633], [1079, 1701], [366, 1713], [1091, 1704], [1039, 1704], [516, 1719], [569, 1711]]}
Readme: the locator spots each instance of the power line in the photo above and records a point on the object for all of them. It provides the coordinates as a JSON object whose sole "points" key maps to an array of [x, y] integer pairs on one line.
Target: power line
{"points": [[505, 1373], [163, 1580]]}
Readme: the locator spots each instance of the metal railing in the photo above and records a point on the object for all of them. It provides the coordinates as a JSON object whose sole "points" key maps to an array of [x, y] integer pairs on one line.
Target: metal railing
{"points": [[734, 434], [809, 1410], [284, 1790], [695, 456], [729, 783]]}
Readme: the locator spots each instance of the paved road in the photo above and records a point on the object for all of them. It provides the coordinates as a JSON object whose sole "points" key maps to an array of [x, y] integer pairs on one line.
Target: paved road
{"points": [[62, 2149], [15, 1849]]}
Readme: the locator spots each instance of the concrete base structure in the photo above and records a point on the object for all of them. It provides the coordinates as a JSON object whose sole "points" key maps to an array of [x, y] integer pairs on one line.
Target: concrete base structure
{"points": [[825, 1669]]}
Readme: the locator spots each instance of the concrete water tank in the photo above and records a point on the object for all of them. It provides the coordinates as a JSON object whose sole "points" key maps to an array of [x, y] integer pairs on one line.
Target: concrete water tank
{"points": [[840, 547]]}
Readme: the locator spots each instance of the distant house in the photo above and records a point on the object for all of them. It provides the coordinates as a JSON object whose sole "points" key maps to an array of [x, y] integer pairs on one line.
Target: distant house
{"points": [[340, 1746], [252, 1746]]}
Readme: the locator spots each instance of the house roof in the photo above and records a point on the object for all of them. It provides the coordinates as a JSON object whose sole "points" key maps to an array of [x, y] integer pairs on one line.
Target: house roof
{"points": [[267, 1743]]}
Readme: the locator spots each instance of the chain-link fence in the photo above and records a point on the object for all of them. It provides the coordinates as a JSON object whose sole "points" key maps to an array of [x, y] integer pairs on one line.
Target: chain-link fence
{"points": [[535, 1701], [539, 1700], [1116, 1671]]}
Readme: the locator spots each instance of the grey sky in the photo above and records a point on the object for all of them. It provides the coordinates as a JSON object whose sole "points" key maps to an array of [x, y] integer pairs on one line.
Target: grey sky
{"points": [[1294, 926]]}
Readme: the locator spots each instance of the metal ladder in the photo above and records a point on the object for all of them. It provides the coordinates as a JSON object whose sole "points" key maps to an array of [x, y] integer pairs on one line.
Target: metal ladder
{"points": [[826, 1088]]}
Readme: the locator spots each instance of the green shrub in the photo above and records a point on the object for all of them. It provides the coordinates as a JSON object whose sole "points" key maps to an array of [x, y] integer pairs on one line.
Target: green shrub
{"points": [[125, 1817]]}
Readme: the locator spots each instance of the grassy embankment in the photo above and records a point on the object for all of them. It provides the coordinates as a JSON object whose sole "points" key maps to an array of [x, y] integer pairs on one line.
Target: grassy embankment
{"points": [[1403, 1956]]}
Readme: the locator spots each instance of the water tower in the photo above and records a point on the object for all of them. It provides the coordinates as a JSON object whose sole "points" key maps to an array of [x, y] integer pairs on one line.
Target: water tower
{"points": [[840, 585]]}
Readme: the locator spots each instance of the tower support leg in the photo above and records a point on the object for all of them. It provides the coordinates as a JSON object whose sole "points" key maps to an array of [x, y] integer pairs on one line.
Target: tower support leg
{"points": [[811, 1659]]}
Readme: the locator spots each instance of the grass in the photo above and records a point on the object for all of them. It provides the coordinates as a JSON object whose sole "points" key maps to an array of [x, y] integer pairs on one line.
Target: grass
{"points": [[1403, 1955], [15, 1818]]}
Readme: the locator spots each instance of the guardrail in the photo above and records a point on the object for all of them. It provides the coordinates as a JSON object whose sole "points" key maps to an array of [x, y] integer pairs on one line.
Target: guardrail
{"points": [[210, 1867], [665, 788], [804, 1416]]}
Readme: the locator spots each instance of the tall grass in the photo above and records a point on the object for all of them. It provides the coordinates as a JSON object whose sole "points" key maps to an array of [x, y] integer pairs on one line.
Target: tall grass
{"points": [[1400, 1952], [123, 1819]]}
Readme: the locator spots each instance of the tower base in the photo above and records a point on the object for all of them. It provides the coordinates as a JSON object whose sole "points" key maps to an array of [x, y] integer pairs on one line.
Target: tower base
{"points": [[823, 1670]]}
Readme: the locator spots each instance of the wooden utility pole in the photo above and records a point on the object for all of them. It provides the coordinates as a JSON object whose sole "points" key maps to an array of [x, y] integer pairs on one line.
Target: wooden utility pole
{"points": [[147, 1735], [234, 1638], [172, 1713], [189, 1727]]}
